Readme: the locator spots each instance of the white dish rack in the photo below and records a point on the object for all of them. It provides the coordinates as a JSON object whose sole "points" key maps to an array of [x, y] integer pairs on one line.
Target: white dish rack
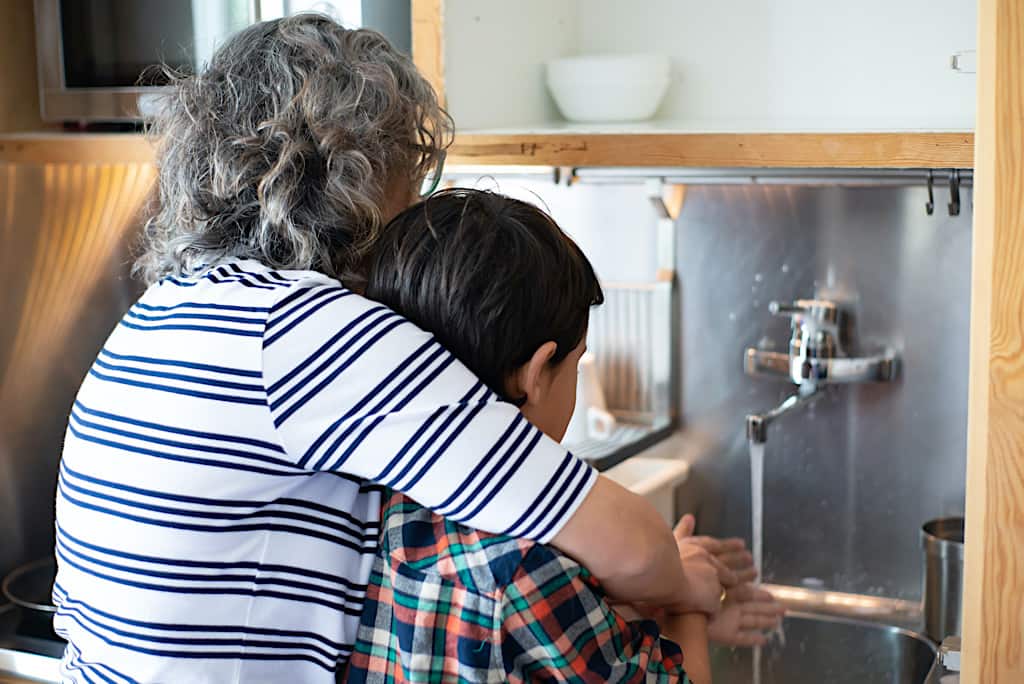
{"points": [[630, 336]]}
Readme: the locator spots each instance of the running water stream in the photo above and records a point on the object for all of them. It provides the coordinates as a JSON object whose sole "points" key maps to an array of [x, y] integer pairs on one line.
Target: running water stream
{"points": [[757, 528], [757, 540]]}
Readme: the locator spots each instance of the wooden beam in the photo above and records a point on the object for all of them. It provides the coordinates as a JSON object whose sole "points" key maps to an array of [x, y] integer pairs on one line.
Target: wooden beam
{"points": [[428, 42], [863, 150], [993, 629]]}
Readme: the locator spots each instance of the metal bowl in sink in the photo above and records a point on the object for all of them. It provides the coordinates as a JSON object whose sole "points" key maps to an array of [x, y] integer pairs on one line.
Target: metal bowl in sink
{"points": [[821, 649]]}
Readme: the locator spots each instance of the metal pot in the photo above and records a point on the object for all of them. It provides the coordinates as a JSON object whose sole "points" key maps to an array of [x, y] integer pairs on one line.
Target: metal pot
{"points": [[943, 543], [30, 587]]}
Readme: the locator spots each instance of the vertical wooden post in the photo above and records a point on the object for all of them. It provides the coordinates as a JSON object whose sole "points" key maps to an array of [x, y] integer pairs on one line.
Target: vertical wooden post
{"points": [[993, 633], [428, 43]]}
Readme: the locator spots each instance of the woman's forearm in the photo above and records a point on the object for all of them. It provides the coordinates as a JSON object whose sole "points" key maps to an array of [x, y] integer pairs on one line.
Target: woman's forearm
{"points": [[625, 543]]}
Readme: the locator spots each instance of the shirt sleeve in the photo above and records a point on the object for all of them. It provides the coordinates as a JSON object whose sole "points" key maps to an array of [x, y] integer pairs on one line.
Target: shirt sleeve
{"points": [[557, 626], [355, 388]]}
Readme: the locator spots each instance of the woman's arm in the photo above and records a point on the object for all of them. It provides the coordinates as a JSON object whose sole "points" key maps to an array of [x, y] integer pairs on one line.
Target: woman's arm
{"points": [[354, 388], [620, 538]]}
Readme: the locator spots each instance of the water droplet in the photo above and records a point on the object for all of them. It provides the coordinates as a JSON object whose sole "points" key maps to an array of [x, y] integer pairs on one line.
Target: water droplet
{"points": [[785, 268], [732, 316], [758, 277]]}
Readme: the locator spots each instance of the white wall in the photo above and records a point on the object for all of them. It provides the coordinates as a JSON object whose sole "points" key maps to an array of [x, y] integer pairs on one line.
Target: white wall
{"points": [[739, 65], [614, 225]]}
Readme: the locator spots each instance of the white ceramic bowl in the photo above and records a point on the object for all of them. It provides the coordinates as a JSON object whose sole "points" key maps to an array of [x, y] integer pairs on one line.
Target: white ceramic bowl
{"points": [[608, 87]]}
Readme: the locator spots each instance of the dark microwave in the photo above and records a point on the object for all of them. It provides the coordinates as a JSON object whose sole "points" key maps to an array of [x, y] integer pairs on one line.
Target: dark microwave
{"points": [[95, 56]]}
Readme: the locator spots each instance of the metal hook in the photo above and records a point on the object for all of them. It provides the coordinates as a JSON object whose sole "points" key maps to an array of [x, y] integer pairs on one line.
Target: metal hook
{"points": [[954, 192], [929, 206]]}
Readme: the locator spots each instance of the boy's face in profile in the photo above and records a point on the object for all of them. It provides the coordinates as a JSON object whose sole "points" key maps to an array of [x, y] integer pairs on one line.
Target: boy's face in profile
{"points": [[551, 408]]}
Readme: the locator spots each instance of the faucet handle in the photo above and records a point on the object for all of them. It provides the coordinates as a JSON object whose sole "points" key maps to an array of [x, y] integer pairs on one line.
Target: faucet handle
{"points": [[780, 309], [817, 310]]}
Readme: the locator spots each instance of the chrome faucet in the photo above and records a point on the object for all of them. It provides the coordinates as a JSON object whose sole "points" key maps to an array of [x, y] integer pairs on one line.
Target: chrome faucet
{"points": [[757, 423], [816, 357]]}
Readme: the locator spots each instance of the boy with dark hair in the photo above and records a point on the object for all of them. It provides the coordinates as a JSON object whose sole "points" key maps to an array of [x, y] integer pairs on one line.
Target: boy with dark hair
{"points": [[508, 293]]}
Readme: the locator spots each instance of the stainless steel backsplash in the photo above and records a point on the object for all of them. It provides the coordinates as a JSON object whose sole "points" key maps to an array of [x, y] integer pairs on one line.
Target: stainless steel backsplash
{"points": [[65, 236], [849, 480]]}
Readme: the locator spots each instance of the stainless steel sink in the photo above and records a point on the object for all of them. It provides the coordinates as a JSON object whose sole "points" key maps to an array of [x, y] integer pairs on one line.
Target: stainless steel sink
{"points": [[821, 649]]}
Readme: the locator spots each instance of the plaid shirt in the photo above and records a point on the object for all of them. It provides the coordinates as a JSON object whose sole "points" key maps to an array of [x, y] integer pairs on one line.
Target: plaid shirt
{"points": [[449, 603]]}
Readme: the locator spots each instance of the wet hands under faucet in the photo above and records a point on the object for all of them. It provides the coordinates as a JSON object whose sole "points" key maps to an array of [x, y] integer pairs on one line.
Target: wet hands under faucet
{"points": [[704, 587], [739, 618], [710, 566], [735, 562], [747, 614], [704, 580], [706, 574], [746, 611]]}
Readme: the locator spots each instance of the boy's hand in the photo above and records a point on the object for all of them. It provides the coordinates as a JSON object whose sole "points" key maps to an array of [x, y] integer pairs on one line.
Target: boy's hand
{"points": [[746, 614]]}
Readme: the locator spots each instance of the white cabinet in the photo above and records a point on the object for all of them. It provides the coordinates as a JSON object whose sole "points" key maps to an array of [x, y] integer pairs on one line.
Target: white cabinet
{"points": [[753, 68]]}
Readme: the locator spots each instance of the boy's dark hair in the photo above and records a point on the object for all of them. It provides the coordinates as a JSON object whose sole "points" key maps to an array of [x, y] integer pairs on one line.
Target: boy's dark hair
{"points": [[493, 278]]}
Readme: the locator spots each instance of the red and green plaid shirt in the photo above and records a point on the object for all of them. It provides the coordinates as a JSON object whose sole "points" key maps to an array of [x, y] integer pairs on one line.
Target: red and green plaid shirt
{"points": [[448, 603]]}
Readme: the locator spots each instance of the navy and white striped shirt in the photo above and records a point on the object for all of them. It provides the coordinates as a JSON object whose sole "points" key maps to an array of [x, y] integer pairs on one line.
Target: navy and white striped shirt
{"points": [[214, 523]]}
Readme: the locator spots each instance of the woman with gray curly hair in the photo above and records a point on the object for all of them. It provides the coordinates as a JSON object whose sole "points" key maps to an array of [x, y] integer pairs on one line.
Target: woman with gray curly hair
{"points": [[219, 497]]}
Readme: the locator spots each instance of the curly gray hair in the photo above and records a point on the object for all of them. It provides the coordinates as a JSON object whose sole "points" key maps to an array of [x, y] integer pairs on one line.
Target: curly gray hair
{"points": [[284, 147]]}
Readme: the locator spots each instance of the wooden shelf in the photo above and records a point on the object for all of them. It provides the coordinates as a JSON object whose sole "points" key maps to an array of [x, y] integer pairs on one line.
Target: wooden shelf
{"points": [[722, 150], [764, 150], [86, 148]]}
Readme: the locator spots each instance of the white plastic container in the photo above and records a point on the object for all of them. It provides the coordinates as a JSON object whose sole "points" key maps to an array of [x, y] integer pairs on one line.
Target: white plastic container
{"points": [[591, 419], [608, 87], [655, 479]]}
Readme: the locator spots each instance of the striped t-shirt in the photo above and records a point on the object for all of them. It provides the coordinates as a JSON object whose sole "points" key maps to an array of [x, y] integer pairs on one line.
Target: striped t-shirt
{"points": [[213, 523]]}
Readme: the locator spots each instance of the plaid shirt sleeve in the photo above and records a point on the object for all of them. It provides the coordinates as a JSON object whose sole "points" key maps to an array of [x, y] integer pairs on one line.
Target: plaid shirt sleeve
{"points": [[448, 603], [557, 626]]}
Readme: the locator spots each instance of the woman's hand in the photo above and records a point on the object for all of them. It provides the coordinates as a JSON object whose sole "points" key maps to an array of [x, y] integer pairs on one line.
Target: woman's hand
{"points": [[700, 589], [748, 612], [703, 590], [731, 553], [623, 540]]}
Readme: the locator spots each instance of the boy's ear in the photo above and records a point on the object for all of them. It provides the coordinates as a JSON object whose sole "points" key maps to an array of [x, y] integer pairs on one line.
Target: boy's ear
{"points": [[531, 378]]}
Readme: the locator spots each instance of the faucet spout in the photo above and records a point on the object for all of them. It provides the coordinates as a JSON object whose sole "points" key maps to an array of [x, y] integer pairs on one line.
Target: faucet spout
{"points": [[757, 423]]}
